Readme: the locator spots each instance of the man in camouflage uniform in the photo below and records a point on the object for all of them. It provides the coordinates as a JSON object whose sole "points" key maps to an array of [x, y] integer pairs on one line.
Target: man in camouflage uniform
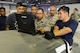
{"points": [[53, 16], [41, 23]]}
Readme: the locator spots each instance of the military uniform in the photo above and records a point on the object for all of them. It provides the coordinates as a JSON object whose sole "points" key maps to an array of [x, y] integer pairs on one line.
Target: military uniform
{"points": [[75, 16], [52, 19], [42, 23]]}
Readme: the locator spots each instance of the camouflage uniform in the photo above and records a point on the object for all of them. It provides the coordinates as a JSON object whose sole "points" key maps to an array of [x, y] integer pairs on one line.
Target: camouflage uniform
{"points": [[75, 16], [52, 19], [42, 23]]}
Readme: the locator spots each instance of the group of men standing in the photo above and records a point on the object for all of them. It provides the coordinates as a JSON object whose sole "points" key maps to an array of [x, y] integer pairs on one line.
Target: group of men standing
{"points": [[63, 26]]}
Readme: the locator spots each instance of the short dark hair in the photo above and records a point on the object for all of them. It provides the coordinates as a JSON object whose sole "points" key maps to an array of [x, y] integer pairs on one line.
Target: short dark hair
{"points": [[33, 6], [41, 9], [2, 8], [52, 5], [76, 9], [64, 8], [21, 4]]}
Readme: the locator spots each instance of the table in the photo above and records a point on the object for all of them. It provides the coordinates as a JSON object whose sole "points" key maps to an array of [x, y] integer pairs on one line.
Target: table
{"points": [[17, 42]]}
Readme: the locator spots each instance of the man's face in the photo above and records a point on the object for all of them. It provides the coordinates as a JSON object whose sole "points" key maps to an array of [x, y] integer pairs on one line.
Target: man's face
{"points": [[20, 9], [33, 10], [61, 14], [39, 14], [2, 12], [52, 10], [25, 9]]}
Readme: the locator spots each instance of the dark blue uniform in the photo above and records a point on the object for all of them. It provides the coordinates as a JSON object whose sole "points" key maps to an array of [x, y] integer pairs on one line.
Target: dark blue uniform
{"points": [[71, 24], [11, 21], [2, 23]]}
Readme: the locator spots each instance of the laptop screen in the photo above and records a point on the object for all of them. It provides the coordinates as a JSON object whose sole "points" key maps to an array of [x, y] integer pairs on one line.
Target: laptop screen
{"points": [[26, 23]]}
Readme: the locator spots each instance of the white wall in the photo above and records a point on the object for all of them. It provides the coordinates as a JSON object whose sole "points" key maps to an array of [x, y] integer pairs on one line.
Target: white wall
{"points": [[7, 8]]}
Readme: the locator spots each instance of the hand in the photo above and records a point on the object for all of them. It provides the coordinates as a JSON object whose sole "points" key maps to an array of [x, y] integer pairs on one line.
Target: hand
{"points": [[41, 29], [7, 27]]}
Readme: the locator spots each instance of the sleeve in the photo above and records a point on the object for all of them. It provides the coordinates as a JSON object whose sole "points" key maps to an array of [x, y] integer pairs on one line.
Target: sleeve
{"points": [[73, 26], [8, 20], [57, 23], [47, 27]]}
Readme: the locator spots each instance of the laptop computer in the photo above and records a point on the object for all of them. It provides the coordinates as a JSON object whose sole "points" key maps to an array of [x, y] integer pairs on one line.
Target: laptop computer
{"points": [[26, 23]]}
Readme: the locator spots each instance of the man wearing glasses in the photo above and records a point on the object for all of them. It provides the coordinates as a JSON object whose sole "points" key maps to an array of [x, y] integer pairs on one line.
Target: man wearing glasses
{"points": [[41, 23]]}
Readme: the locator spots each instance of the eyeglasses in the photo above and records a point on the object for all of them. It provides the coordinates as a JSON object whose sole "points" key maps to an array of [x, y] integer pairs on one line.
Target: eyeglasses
{"points": [[52, 10], [39, 13]]}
